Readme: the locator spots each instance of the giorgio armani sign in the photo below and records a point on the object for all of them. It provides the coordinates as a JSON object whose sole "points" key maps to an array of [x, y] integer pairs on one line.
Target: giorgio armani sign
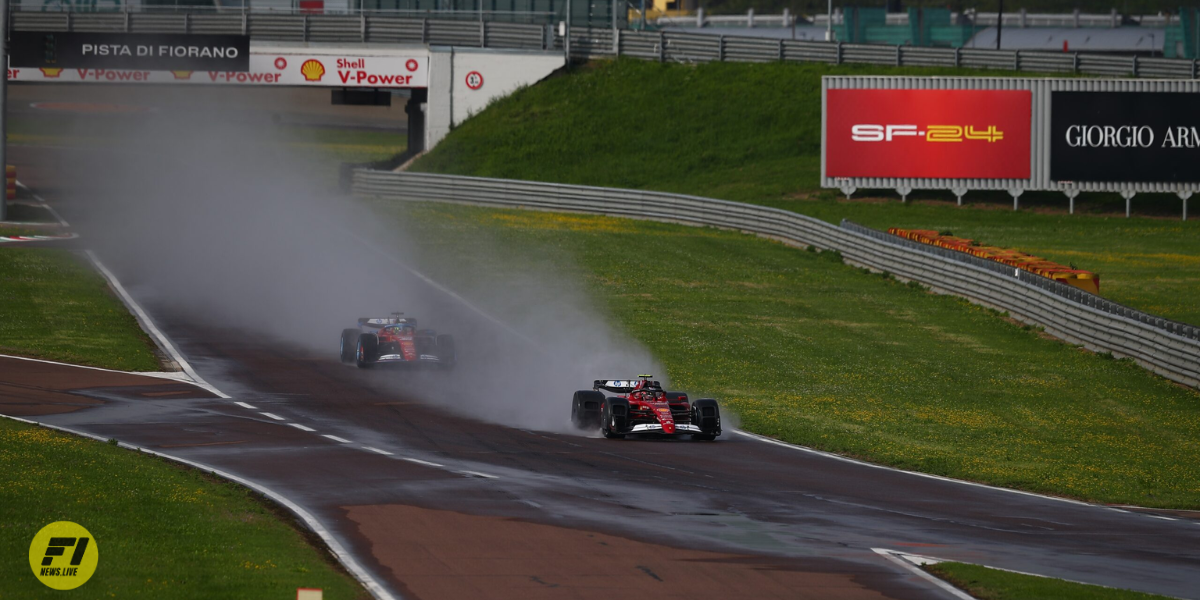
{"points": [[1125, 136]]}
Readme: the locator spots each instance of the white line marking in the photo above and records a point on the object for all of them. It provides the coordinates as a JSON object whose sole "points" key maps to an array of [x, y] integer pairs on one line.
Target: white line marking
{"points": [[421, 462], [273, 416], [953, 591], [336, 438], [1161, 517], [244, 405], [344, 557], [158, 374], [150, 327], [301, 427], [46, 205], [383, 452], [478, 474], [776, 442]]}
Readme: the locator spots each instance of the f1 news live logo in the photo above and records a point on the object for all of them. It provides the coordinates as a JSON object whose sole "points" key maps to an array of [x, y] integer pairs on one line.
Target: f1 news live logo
{"points": [[63, 555], [930, 133]]}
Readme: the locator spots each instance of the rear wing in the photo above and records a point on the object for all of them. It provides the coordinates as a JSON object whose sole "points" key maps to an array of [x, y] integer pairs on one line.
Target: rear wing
{"points": [[384, 322], [621, 386]]}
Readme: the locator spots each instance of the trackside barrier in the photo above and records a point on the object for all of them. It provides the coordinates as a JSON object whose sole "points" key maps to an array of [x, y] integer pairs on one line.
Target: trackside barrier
{"points": [[10, 182], [1166, 347], [537, 31]]}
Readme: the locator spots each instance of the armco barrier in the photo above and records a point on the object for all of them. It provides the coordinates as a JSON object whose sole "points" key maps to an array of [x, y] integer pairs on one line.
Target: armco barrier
{"points": [[1165, 347], [538, 31]]}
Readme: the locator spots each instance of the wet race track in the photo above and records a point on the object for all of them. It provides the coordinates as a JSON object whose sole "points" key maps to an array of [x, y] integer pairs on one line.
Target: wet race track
{"points": [[436, 505]]}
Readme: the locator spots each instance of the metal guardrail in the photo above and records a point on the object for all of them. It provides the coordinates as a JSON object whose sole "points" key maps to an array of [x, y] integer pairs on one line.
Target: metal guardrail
{"points": [[698, 48], [593, 42], [363, 27], [1166, 347]]}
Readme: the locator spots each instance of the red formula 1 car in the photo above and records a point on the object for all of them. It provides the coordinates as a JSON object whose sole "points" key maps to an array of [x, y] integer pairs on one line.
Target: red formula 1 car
{"points": [[396, 340], [641, 406]]}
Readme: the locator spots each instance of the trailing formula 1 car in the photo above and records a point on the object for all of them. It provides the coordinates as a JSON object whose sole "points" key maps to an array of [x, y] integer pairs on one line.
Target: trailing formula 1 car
{"points": [[640, 406], [396, 340]]}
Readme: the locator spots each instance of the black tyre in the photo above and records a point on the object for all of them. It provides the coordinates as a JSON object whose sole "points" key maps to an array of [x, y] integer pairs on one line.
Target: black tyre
{"points": [[447, 355], [367, 350], [586, 408], [614, 418], [706, 415], [349, 345]]}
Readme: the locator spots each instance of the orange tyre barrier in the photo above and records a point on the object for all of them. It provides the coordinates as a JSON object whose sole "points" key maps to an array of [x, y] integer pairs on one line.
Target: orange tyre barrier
{"points": [[1084, 280], [10, 188]]}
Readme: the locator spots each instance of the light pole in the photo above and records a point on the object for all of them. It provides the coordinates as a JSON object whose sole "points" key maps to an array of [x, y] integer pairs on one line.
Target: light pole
{"points": [[829, 24], [4, 105], [999, 24]]}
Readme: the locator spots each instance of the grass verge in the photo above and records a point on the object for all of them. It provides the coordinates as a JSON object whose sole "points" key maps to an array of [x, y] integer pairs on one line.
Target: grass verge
{"points": [[162, 530], [994, 584], [808, 350], [751, 133], [54, 306]]}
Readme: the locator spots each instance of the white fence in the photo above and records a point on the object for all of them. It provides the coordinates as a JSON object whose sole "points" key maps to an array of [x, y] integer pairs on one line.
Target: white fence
{"points": [[1166, 347]]}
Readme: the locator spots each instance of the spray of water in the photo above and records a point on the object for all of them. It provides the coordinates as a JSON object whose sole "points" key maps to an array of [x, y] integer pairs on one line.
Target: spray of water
{"points": [[219, 222]]}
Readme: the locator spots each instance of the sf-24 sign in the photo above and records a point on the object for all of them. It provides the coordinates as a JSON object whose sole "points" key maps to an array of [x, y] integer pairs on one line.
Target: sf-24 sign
{"points": [[943, 134]]}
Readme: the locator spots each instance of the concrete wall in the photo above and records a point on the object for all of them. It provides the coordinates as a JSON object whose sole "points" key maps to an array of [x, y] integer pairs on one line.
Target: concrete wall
{"points": [[452, 100]]}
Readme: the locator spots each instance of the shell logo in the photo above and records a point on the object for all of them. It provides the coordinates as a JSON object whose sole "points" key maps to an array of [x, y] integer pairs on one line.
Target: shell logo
{"points": [[182, 74], [312, 70], [50, 72]]}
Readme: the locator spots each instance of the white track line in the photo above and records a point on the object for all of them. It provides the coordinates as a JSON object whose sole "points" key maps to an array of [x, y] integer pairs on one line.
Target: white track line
{"points": [[144, 319], [301, 427], [273, 416], [45, 205], [421, 462], [158, 374], [344, 557], [915, 570], [478, 474], [377, 450], [336, 438], [244, 405], [763, 438]]}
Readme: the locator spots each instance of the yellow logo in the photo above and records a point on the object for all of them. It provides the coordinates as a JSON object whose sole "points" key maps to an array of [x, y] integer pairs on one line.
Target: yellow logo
{"points": [[312, 70], [63, 555]]}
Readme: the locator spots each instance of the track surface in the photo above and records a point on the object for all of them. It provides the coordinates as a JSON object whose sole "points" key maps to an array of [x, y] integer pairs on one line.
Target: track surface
{"points": [[436, 505]]}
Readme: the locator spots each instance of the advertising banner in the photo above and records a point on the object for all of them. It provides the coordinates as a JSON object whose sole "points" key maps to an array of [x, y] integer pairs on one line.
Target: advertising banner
{"points": [[1136, 137], [293, 69], [943, 134], [129, 51]]}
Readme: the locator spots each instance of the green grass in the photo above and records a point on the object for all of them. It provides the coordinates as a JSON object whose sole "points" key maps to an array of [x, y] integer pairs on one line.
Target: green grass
{"points": [[994, 584], [808, 350], [751, 133], [54, 306], [163, 531]]}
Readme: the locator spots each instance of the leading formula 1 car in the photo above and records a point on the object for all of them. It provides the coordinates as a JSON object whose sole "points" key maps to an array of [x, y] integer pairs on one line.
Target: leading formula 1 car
{"points": [[641, 406], [396, 340]]}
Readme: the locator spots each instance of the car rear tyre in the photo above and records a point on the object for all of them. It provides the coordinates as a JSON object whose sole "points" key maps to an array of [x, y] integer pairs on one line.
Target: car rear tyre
{"points": [[586, 408], [349, 345], [367, 349]]}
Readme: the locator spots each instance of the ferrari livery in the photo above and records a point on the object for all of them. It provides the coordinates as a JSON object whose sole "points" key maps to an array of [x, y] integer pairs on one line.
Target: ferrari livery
{"points": [[395, 340], [640, 406]]}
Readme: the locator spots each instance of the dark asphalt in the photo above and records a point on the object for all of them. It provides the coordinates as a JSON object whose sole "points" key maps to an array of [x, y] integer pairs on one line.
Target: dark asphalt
{"points": [[736, 496]]}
